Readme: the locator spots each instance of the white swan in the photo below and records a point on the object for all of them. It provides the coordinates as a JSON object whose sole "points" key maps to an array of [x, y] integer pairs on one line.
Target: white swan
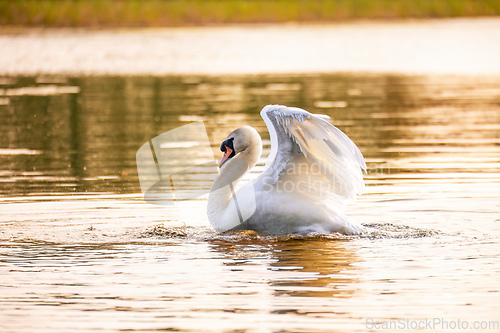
{"points": [[313, 171]]}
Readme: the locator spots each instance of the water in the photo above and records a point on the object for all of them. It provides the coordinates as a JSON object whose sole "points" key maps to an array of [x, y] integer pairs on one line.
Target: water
{"points": [[455, 46], [80, 250]]}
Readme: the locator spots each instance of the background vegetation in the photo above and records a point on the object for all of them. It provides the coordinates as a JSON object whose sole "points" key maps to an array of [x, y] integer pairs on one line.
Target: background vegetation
{"points": [[131, 13]]}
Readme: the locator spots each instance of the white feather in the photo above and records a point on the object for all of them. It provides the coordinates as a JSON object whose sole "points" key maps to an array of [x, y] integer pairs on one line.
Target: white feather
{"points": [[312, 172]]}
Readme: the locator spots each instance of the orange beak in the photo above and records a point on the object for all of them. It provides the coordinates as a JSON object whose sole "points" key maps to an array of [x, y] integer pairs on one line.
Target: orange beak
{"points": [[226, 156]]}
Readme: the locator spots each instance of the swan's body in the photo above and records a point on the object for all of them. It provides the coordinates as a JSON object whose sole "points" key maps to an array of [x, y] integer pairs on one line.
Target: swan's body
{"points": [[313, 171]]}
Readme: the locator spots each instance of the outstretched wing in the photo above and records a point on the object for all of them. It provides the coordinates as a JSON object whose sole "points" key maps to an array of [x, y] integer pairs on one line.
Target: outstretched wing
{"points": [[301, 140]]}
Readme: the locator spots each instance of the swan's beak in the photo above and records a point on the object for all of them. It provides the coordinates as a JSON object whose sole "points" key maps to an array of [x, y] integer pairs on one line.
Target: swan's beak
{"points": [[227, 155]]}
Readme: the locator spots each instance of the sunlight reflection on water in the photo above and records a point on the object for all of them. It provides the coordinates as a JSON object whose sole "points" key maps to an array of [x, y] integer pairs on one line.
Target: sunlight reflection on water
{"points": [[80, 250], [456, 46]]}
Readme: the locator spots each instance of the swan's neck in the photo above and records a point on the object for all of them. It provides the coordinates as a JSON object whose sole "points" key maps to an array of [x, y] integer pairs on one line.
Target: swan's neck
{"points": [[221, 217]]}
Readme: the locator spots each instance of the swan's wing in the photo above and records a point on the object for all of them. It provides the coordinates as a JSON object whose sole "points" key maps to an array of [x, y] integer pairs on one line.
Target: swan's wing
{"points": [[298, 136]]}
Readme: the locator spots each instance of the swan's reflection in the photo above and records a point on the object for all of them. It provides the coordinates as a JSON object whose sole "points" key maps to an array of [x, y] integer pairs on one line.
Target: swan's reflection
{"points": [[305, 266], [317, 268]]}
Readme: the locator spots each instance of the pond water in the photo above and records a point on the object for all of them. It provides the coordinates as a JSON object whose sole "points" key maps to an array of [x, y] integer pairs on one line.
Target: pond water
{"points": [[81, 250]]}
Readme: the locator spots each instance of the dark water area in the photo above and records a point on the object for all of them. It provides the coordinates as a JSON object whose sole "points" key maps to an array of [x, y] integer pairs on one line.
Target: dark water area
{"points": [[80, 135], [80, 250]]}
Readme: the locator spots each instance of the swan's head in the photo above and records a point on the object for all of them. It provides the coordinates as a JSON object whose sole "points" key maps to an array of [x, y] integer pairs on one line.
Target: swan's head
{"points": [[241, 140]]}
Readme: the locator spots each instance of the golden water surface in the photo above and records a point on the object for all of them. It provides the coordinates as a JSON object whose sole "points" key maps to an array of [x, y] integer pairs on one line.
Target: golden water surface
{"points": [[80, 250]]}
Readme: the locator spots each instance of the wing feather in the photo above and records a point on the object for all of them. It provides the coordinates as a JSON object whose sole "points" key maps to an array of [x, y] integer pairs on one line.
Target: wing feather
{"points": [[297, 135]]}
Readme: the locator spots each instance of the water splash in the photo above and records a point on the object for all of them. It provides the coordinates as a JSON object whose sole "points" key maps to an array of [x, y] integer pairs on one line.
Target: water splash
{"points": [[371, 231]]}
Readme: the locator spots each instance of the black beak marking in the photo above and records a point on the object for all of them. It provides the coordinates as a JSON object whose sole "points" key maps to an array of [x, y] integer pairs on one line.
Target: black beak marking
{"points": [[228, 143]]}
